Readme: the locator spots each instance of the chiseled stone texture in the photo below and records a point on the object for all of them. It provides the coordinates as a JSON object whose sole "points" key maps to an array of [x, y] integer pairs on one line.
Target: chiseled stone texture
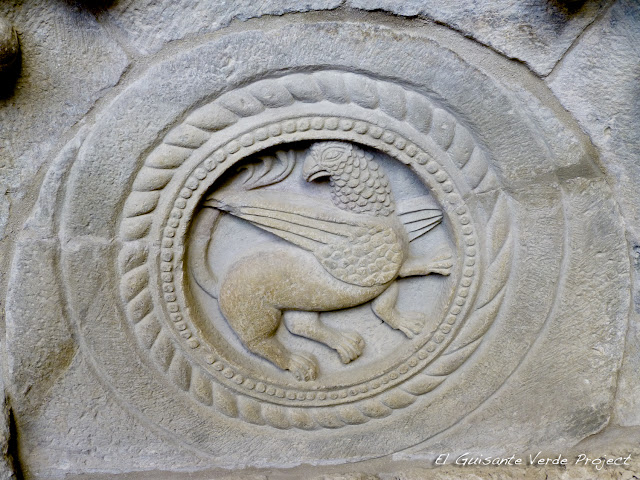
{"points": [[599, 83], [149, 24], [538, 32], [92, 434], [390, 469], [102, 83], [68, 62]]}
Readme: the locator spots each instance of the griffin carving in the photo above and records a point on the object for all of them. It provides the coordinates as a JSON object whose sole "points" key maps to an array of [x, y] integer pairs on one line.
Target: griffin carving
{"points": [[337, 257]]}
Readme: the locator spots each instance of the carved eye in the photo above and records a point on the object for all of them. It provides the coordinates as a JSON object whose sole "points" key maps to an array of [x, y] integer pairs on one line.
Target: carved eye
{"points": [[332, 155]]}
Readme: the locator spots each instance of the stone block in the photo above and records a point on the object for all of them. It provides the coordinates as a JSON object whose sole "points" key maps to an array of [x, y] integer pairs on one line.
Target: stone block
{"points": [[314, 241]]}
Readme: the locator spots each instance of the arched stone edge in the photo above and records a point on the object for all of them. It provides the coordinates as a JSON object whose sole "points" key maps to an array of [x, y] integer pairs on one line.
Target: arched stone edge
{"points": [[179, 144]]}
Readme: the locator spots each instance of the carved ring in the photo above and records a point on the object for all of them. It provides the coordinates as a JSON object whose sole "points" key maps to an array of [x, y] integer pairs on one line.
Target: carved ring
{"points": [[180, 170]]}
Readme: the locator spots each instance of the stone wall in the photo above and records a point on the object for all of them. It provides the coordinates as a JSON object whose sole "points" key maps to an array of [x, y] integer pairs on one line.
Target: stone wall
{"points": [[322, 239]]}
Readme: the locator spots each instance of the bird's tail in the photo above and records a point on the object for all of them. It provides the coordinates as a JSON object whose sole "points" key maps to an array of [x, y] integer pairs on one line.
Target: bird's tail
{"points": [[419, 215], [199, 251]]}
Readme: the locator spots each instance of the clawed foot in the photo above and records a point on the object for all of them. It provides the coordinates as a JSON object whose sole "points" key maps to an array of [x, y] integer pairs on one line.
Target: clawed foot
{"points": [[349, 346], [303, 367], [410, 323]]}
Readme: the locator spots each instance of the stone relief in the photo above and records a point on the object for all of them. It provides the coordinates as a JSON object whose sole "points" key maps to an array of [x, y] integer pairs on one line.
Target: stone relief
{"points": [[358, 248], [306, 247], [331, 247]]}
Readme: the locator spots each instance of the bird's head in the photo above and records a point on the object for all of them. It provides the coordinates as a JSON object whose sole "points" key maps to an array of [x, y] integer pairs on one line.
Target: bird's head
{"points": [[325, 159], [357, 182]]}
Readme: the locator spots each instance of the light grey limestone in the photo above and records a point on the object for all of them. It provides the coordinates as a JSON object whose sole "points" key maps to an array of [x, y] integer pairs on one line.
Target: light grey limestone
{"points": [[568, 336], [180, 170], [545, 191], [599, 83], [148, 25], [67, 63], [537, 33], [87, 448]]}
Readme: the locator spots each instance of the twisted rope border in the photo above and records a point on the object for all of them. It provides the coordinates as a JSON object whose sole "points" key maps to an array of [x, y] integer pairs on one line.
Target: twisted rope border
{"points": [[335, 87]]}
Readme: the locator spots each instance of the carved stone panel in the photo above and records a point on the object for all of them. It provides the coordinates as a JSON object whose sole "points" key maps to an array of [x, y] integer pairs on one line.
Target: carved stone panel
{"points": [[324, 256], [321, 255]]}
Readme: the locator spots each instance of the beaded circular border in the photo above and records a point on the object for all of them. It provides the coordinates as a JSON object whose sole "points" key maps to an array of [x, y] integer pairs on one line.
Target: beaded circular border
{"points": [[201, 178], [182, 142]]}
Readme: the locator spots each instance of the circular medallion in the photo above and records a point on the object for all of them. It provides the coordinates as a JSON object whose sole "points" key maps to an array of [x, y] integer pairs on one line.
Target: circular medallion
{"points": [[229, 346], [335, 255]]}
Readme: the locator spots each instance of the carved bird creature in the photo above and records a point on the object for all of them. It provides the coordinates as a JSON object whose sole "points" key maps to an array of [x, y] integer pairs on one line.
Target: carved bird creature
{"points": [[338, 257]]}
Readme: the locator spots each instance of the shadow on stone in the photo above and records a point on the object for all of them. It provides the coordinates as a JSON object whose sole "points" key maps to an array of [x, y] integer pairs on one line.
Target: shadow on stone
{"points": [[9, 58], [12, 450], [94, 6], [8, 78], [569, 7]]}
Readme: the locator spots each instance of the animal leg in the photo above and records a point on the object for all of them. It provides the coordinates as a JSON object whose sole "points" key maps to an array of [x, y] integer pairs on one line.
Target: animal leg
{"points": [[409, 323], [419, 266], [303, 367], [256, 324], [349, 345]]}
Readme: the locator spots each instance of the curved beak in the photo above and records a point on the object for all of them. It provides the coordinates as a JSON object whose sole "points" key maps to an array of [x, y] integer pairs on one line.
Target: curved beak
{"points": [[311, 170]]}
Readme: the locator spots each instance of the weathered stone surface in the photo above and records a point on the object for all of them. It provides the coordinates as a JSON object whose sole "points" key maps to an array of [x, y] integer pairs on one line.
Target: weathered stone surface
{"points": [[310, 239], [78, 443], [569, 335], [576, 468], [34, 364], [148, 25], [68, 62], [599, 83], [537, 33]]}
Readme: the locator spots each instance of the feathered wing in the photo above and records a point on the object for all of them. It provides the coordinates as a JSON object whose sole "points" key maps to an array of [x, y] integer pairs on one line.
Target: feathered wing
{"points": [[358, 249], [419, 216]]}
